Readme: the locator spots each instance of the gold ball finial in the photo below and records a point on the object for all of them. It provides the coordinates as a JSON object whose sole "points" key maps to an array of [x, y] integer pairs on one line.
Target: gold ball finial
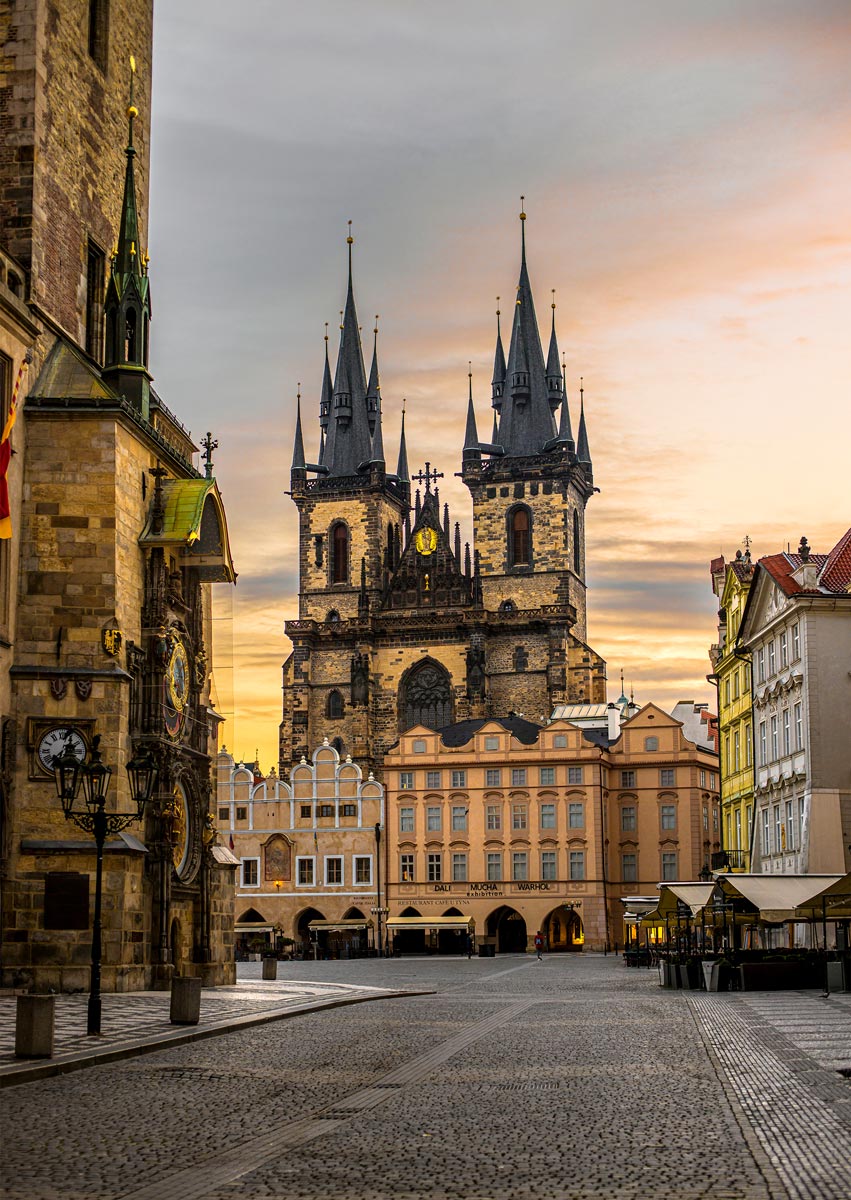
{"points": [[554, 297], [132, 111], [522, 208], [350, 239]]}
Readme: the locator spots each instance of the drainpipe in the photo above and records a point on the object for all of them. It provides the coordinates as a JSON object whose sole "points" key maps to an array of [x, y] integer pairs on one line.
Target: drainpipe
{"points": [[604, 855]]}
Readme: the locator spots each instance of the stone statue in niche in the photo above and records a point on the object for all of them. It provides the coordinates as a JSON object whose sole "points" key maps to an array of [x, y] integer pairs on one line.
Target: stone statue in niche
{"points": [[277, 858], [360, 678], [476, 671]]}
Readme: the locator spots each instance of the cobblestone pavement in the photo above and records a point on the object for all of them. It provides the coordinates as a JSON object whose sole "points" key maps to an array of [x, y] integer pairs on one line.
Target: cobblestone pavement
{"points": [[573, 1079], [136, 1018]]}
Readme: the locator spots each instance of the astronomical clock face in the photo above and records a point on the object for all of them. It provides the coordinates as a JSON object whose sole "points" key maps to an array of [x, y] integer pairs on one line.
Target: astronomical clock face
{"points": [[425, 540], [181, 830], [56, 741], [176, 689]]}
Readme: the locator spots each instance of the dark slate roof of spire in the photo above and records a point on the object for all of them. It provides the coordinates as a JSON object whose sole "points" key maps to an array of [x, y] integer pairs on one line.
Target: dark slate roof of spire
{"points": [[553, 364], [471, 436], [298, 441], [583, 453], [349, 444], [525, 429], [565, 432], [499, 356], [373, 388], [128, 265], [326, 399], [402, 472]]}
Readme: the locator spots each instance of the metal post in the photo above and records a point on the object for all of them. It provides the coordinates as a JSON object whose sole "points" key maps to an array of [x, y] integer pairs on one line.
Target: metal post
{"points": [[94, 1007], [378, 886]]}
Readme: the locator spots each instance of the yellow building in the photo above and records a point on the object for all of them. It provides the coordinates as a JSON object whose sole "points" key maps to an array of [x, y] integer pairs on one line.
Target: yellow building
{"points": [[731, 583], [309, 873], [517, 827]]}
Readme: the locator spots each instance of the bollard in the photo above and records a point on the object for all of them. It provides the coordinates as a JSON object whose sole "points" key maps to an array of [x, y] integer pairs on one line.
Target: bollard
{"points": [[185, 1000], [270, 968], [34, 1024]]}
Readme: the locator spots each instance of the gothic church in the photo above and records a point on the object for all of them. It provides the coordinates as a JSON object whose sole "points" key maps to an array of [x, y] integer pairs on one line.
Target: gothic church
{"points": [[398, 625]]}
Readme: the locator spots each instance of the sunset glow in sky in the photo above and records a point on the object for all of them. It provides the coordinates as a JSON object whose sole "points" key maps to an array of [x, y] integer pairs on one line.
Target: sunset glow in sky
{"points": [[687, 174]]}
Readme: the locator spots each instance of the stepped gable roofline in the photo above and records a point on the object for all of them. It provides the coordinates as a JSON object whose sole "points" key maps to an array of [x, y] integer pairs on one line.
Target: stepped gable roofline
{"points": [[461, 732]]}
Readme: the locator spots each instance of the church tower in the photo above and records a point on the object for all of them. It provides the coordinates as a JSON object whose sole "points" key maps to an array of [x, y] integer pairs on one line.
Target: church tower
{"points": [[398, 624], [530, 486]]}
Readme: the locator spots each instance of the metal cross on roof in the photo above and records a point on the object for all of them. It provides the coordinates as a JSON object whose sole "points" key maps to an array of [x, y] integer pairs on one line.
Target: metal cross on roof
{"points": [[428, 477]]}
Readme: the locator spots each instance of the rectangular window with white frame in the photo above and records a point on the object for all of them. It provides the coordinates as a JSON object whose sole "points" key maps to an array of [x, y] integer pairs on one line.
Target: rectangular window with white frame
{"points": [[406, 820], [493, 816], [546, 776], [459, 818], [432, 779], [548, 816], [787, 731], [790, 825], [305, 871], [406, 781], [778, 830], [577, 864], [333, 871], [406, 868], [576, 815], [669, 816], [628, 818], [627, 779], [519, 818], [775, 747], [629, 868], [250, 872], [799, 726], [459, 868], [363, 869], [763, 744], [760, 665], [669, 865], [574, 775], [518, 776], [796, 642], [493, 776], [494, 866], [784, 649], [433, 819], [434, 866], [739, 829], [519, 865], [772, 658], [548, 865], [459, 779], [667, 777], [766, 831]]}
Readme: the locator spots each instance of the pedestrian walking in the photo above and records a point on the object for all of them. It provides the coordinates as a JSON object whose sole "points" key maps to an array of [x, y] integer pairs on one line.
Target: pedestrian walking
{"points": [[469, 945], [539, 946]]}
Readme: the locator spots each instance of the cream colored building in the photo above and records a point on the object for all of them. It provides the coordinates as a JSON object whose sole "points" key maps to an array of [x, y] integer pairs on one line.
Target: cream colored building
{"points": [[521, 827], [308, 853]]}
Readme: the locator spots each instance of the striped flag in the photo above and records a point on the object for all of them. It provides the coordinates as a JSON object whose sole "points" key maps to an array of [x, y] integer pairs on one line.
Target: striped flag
{"points": [[6, 452]]}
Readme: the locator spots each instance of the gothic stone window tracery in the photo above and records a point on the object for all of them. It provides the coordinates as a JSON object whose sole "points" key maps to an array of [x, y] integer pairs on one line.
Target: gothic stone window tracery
{"points": [[426, 698], [519, 536]]}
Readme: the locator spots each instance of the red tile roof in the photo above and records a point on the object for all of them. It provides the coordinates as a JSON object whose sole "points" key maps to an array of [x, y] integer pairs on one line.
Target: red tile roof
{"points": [[781, 566], [836, 573]]}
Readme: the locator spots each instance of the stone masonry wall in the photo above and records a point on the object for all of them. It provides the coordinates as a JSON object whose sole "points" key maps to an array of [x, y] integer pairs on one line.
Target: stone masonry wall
{"points": [[62, 146]]}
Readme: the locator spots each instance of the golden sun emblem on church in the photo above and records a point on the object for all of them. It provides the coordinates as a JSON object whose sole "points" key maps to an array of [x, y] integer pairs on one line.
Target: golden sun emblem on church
{"points": [[425, 540]]}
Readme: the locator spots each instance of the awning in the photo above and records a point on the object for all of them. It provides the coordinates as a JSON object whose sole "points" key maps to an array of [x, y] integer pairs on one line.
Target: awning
{"points": [[338, 926], [832, 904], [430, 923], [695, 896], [253, 927], [776, 896]]}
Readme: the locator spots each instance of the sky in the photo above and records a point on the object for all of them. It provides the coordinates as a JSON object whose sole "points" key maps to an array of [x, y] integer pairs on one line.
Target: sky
{"points": [[687, 180]]}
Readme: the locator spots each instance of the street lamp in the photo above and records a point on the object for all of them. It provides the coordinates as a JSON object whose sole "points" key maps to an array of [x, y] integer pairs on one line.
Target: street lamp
{"points": [[94, 777]]}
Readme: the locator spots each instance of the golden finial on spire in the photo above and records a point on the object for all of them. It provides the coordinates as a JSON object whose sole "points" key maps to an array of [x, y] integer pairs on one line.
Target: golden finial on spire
{"points": [[469, 369], [554, 297], [298, 391], [522, 208], [341, 318], [132, 110], [375, 330], [497, 306], [326, 331], [350, 239], [404, 402]]}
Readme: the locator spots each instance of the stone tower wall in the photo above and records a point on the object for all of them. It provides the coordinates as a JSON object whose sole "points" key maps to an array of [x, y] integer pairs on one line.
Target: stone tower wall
{"points": [[62, 163]]}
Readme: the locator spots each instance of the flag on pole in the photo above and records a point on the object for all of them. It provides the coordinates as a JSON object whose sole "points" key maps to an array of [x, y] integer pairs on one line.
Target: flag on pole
{"points": [[6, 452], [230, 841]]}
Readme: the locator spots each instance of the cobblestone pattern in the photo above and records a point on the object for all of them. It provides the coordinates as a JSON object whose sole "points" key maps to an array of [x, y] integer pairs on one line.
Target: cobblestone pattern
{"points": [[130, 1017], [800, 1112]]}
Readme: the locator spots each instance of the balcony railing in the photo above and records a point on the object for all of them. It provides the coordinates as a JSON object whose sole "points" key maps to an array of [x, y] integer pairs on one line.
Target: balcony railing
{"points": [[730, 860]]}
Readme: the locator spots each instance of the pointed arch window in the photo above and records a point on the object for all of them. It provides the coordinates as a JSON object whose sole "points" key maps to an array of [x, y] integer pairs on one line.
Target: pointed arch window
{"points": [[335, 707], [520, 537], [577, 545], [339, 553], [130, 336], [426, 697]]}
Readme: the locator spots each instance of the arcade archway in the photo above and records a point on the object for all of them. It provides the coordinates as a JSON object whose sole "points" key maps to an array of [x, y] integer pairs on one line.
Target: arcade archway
{"points": [[563, 931], [509, 929], [409, 941]]}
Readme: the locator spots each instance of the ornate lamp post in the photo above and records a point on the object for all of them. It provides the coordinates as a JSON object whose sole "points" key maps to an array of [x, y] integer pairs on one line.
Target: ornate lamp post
{"points": [[94, 777]]}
